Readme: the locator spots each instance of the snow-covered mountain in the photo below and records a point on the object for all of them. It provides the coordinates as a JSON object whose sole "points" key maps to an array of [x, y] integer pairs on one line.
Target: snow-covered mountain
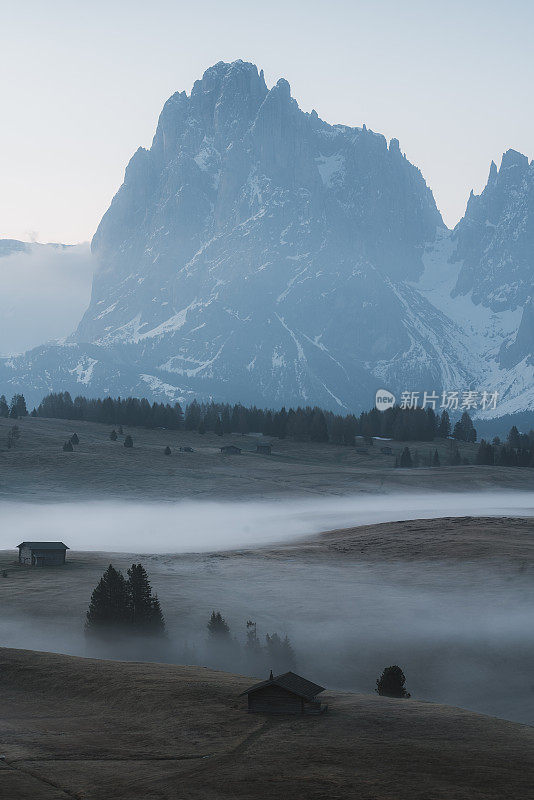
{"points": [[257, 253]]}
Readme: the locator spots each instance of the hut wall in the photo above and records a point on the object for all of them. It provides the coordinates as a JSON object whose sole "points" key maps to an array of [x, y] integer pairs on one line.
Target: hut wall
{"points": [[42, 558], [49, 557], [25, 555], [274, 700]]}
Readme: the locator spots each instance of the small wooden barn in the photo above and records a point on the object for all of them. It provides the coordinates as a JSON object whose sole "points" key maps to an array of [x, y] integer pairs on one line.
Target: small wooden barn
{"points": [[264, 448], [42, 554], [231, 450], [285, 694]]}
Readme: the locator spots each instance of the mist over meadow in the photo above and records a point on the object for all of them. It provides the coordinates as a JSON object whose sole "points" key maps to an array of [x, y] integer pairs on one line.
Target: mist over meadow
{"points": [[461, 631], [203, 525]]}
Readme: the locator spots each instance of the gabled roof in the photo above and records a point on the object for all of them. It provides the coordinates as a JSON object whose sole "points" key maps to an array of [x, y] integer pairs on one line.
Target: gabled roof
{"points": [[44, 545], [292, 682]]}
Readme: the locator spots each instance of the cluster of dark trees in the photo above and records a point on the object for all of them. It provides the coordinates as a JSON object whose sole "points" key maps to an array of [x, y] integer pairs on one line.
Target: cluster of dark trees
{"points": [[409, 459], [68, 446], [517, 451], [254, 657], [302, 424], [124, 606], [15, 409]]}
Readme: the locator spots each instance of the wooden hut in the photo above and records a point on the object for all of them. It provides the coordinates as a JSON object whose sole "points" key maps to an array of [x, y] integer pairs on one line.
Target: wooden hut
{"points": [[42, 554], [231, 450], [264, 448], [285, 694]]}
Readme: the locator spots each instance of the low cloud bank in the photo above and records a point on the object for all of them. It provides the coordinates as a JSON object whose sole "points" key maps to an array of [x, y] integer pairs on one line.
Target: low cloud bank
{"points": [[200, 526], [44, 293]]}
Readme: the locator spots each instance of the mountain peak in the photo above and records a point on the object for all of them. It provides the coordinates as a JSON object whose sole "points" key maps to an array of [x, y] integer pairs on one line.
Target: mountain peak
{"points": [[512, 158], [225, 70]]}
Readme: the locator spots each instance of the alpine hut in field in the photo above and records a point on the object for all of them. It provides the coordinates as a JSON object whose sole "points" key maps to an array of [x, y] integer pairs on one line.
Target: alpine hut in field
{"points": [[42, 554], [264, 448], [231, 450], [285, 694]]}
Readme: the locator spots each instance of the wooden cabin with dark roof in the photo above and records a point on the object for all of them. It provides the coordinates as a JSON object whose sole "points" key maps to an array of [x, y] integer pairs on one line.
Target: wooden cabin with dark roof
{"points": [[42, 554], [285, 694], [231, 450], [265, 448]]}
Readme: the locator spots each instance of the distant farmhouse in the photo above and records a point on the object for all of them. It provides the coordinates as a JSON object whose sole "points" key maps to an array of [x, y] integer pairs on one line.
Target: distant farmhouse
{"points": [[264, 448], [231, 450], [285, 694], [42, 554]]}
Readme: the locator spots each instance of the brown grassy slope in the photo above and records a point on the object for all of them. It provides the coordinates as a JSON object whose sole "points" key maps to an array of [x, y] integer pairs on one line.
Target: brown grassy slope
{"points": [[81, 728], [505, 540], [37, 467]]}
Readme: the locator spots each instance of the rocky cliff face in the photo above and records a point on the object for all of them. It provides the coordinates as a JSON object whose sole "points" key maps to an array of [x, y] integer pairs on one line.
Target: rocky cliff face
{"points": [[495, 239], [257, 253], [255, 247]]}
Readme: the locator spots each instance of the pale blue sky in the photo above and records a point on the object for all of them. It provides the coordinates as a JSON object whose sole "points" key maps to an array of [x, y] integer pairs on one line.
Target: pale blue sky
{"points": [[83, 84]]}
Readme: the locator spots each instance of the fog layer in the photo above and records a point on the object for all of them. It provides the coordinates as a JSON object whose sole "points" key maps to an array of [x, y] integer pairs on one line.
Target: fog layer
{"points": [[462, 631], [202, 526], [44, 294]]}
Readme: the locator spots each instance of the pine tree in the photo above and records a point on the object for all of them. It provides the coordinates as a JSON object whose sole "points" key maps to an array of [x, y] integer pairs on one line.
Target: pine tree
{"points": [[113, 436], [444, 429], [253, 650], [128, 441], [513, 438], [18, 407], [145, 611], [167, 451], [458, 431], [280, 653], [225, 419], [13, 436], [406, 458], [192, 416], [67, 447], [4, 408], [470, 434], [219, 430], [109, 609], [485, 453], [288, 654], [318, 428], [74, 439], [456, 458], [392, 683], [217, 627], [435, 459], [464, 429]]}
